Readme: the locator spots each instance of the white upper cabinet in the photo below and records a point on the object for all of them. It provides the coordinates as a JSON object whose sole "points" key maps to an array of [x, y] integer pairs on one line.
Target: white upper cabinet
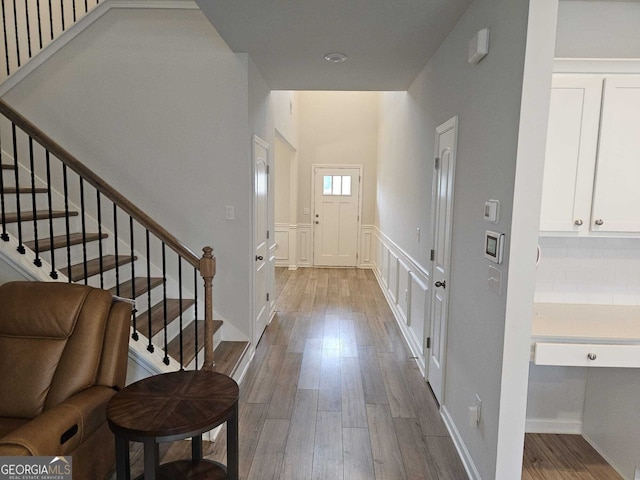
{"points": [[592, 163], [572, 143], [616, 197]]}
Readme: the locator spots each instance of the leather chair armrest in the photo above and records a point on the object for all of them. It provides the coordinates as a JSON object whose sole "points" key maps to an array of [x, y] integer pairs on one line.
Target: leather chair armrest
{"points": [[59, 430]]}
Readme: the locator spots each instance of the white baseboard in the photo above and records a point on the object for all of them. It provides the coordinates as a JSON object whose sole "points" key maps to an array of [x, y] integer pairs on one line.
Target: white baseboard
{"points": [[553, 425], [463, 453]]}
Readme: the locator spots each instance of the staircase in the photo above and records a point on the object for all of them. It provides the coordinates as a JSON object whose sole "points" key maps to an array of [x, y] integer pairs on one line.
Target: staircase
{"points": [[75, 227], [61, 222]]}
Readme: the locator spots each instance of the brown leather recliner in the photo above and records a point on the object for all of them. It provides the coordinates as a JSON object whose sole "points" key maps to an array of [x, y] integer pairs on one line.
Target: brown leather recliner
{"points": [[63, 355]]}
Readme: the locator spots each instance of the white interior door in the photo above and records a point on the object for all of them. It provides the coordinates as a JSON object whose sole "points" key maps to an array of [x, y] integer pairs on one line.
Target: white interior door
{"points": [[442, 201], [336, 216], [261, 212]]}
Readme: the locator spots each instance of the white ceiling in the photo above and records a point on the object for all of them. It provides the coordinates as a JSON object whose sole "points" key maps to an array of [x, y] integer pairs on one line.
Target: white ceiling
{"points": [[388, 42]]}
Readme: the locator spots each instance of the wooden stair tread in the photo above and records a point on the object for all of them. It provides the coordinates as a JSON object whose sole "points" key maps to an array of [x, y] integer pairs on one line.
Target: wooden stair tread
{"points": [[9, 190], [60, 241], [189, 347], [27, 216], [227, 356], [157, 315], [141, 287], [109, 262], [6, 166]]}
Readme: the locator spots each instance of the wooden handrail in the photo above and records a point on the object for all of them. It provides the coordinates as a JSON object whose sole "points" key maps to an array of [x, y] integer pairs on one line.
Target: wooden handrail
{"points": [[103, 187]]}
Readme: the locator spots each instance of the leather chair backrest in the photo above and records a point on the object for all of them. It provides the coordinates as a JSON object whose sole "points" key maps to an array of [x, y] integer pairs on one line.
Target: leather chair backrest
{"points": [[51, 339]]}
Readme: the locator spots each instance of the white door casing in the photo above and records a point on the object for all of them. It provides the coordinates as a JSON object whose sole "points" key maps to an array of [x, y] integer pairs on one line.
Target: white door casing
{"points": [[336, 215], [261, 248], [441, 226]]}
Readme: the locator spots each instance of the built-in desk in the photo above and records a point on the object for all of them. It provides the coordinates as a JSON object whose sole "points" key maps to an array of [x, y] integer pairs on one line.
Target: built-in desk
{"points": [[586, 335]]}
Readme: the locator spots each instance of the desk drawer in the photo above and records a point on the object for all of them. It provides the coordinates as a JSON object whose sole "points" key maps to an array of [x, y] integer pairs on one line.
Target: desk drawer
{"points": [[587, 355]]}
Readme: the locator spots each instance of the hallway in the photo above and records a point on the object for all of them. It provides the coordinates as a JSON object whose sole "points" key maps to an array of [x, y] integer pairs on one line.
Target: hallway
{"points": [[333, 392]]}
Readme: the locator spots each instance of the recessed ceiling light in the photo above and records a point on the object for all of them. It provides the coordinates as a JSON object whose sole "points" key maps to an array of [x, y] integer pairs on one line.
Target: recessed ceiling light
{"points": [[335, 57]]}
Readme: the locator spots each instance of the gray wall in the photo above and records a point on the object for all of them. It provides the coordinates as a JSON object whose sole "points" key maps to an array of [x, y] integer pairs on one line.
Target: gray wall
{"points": [[486, 97], [592, 29]]}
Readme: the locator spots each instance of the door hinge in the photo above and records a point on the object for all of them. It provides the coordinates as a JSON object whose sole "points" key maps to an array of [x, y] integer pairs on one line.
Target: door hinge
{"points": [[267, 234], [267, 297], [433, 255], [437, 163], [267, 169], [428, 342]]}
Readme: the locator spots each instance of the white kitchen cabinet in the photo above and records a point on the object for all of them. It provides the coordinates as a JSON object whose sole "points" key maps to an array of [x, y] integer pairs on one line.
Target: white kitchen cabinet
{"points": [[572, 141], [616, 196], [592, 162]]}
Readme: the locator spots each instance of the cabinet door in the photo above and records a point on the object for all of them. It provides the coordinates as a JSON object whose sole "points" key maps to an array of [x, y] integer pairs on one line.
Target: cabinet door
{"points": [[572, 139], [616, 199]]}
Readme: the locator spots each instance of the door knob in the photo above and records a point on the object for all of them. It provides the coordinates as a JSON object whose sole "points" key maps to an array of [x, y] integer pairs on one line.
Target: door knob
{"points": [[259, 257], [442, 284], [317, 222], [599, 222], [578, 222]]}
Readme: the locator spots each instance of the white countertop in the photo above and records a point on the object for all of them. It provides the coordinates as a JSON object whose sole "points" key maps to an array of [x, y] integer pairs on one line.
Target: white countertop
{"points": [[581, 323]]}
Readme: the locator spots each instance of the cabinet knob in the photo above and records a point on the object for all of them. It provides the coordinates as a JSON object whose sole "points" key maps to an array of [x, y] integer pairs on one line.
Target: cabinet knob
{"points": [[591, 356], [578, 222], [599, 222]]}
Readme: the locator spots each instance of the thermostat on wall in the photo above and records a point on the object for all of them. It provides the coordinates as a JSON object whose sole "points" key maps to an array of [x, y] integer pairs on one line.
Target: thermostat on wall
{"points": [[493, 246]]}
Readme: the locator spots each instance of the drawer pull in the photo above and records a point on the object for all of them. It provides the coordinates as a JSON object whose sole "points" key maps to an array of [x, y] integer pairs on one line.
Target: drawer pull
{"points": [[591, 356]]}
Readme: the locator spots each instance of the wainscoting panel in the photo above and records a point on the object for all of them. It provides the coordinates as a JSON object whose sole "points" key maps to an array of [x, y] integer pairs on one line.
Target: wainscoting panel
{"points": [[365, 259], [403, 290], [282, 241], [305, 245], [404, 283], [418, 308], [393, 276]]}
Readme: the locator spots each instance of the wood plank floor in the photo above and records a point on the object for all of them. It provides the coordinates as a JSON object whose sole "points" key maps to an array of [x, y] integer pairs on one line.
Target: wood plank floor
{"points": [[333, 393], [563, 457]]}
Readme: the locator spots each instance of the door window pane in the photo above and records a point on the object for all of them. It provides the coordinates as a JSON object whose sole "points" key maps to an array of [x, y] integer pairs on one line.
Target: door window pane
{"points": [[326, 184], [346, 185], [336, 185]]}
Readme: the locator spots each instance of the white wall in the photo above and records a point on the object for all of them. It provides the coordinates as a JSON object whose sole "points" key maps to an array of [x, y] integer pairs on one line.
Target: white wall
{"points": [[598, 29], [487, 99], [589, 270], [338, 128], [155, 103], [283, 159]]}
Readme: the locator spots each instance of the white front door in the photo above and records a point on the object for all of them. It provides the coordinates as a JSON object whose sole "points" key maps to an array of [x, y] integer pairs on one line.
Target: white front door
{"points": [[336, 216], [442, 202], [261, 212]]}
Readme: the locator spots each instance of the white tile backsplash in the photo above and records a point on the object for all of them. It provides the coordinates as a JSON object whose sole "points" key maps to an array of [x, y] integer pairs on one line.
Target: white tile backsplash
{"points": [[589, 270]]}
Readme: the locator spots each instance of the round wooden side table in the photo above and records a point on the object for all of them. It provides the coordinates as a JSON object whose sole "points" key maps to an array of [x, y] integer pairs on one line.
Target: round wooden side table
{"points": [[170, 407]]}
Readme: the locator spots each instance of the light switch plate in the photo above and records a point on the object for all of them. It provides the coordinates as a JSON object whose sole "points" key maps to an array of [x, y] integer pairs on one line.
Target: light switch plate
{"points": [[492, 211]]}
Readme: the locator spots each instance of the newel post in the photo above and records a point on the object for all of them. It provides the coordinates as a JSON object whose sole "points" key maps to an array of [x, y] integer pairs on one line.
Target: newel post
{"points": [[208, 271]]}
